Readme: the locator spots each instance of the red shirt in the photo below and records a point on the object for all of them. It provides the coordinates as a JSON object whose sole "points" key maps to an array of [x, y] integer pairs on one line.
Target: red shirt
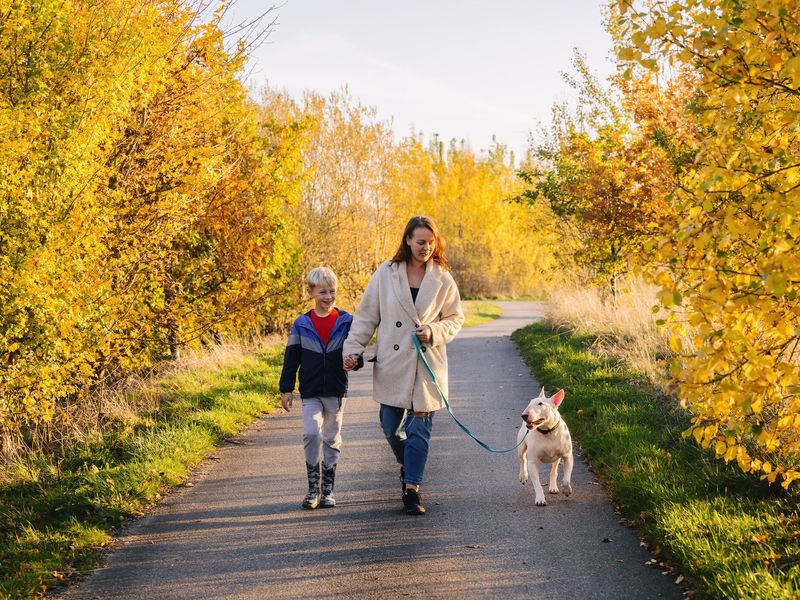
{"points": [[324, 325]]}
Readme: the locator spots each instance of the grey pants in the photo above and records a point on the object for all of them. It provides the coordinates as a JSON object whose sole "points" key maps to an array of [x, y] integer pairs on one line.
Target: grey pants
{"points": [[322, 429]]}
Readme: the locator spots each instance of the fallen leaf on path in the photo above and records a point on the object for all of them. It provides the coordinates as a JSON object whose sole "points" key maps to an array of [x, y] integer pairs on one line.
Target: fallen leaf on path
{"points": [[679, 579], [474, 546]]}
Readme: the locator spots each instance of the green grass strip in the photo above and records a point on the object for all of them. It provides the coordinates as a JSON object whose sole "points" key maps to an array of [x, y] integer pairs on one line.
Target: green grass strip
{"points": [[479, 311], [731, 535], [55, 516]]}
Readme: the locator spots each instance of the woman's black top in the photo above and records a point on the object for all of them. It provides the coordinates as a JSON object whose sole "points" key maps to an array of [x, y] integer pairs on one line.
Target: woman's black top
{"points": [[414, 293]]}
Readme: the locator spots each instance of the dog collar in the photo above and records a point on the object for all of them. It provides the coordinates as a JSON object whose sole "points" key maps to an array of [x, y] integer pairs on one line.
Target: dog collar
{"points": [[546, 431]]}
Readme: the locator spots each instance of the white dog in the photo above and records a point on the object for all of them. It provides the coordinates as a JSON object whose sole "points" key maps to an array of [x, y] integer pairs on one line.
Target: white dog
{"points": [[548, 441]]}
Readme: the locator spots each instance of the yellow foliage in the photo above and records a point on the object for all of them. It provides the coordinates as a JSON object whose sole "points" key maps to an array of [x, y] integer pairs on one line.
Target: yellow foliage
{"points": [[361, 187], [129, 221], [734, 257]]}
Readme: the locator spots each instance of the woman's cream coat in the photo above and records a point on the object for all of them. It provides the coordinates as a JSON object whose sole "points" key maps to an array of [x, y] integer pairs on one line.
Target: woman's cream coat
{"points": [[399, 377]]}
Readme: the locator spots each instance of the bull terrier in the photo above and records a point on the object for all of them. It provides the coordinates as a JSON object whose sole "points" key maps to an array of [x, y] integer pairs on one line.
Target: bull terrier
{"points": [[548, 441]]}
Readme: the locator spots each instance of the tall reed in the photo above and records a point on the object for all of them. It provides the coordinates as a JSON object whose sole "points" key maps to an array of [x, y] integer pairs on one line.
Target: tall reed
{"points": [[624, 325]]}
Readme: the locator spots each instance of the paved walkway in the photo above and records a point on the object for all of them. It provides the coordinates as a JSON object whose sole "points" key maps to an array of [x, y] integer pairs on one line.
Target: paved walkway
{"points": [[240, 533]]}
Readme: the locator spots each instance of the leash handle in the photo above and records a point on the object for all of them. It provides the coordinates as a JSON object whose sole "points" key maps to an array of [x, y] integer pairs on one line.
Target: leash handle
{"points": [[463, 427]]}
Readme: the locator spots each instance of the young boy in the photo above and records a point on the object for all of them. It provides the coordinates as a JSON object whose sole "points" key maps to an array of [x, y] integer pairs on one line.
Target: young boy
{"points": [[315, 347]]}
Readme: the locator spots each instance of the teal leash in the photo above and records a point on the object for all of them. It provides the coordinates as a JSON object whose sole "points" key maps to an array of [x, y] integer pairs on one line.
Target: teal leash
{"points": [[463, 427]]}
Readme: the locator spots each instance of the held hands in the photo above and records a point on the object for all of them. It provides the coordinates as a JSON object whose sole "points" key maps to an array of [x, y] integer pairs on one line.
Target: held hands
{"points": [[350, 361], [424, 333], [286, 401]]}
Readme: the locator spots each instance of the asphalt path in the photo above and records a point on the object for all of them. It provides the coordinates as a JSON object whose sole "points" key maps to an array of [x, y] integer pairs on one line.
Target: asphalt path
{"points": [[239, 531]]}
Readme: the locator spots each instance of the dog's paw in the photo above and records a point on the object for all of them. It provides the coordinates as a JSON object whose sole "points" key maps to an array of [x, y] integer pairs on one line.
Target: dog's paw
{"points": [[523, 479], [541, 501], [553, 490], [566, 489]]}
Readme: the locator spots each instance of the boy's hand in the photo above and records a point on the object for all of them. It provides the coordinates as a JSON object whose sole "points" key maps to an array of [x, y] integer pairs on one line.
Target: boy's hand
{"points": [[286, 401], [350, 361]]}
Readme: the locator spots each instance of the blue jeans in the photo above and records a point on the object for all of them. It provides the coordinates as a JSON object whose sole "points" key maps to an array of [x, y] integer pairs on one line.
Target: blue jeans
{"points": [[412, 452]]}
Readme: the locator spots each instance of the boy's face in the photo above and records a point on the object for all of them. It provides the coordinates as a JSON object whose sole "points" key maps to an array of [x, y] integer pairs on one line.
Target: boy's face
{"points": [[324, 297]]}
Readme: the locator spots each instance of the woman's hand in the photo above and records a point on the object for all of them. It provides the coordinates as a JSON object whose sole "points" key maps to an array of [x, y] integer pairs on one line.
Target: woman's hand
{"points": [[350, 361], [424, 333], [286, 401]]}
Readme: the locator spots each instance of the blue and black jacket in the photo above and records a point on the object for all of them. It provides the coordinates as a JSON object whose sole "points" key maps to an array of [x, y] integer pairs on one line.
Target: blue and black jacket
{"points": [[320, 365]]}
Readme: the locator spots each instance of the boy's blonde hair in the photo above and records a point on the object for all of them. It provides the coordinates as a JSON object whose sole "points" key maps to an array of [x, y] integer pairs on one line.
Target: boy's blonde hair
{"points": [[320, 276]]}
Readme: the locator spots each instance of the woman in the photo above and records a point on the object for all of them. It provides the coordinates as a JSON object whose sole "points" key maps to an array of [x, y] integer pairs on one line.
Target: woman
{"points": [[411, 293]]}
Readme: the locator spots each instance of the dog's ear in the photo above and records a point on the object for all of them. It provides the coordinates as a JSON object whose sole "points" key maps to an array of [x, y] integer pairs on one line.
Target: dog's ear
{"points": [[541, 393], [557, 398]]}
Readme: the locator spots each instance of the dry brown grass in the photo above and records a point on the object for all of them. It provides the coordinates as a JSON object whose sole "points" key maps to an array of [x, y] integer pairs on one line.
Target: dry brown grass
{"points": [[625, 326], [125, 403]]}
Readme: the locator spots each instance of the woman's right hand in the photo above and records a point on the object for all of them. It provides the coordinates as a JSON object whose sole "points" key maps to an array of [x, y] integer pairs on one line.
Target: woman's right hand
{"points": [[350, 361], [286, 401]]}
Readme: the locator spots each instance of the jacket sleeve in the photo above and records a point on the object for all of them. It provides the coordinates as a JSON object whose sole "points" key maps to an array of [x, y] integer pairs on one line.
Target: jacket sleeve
{"points": [[451, 317], [365, 319], [291, 362]]}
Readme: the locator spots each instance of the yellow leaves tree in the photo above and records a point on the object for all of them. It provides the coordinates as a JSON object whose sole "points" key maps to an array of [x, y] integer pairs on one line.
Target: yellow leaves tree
{"points": [[67, 81], [602, 172], [141, 195], [495, 246], [346, 217], [360, 186], [733, 264]]}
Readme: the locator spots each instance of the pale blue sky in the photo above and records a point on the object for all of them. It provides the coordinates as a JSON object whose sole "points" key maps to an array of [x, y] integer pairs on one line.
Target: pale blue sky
{"points": [[462, 69]]}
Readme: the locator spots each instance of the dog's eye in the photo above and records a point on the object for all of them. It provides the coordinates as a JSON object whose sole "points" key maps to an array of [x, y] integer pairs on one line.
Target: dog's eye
{"points": [[541, 403]]}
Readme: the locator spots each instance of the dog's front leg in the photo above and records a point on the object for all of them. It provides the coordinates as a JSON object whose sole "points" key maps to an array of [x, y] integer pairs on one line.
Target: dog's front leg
{"points": [[523, 463], [537, 484], [553, 484], [566, 483]]}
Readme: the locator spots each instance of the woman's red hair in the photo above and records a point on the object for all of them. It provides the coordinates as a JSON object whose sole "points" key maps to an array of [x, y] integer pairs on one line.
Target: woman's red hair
{"points": [[403, 253]]}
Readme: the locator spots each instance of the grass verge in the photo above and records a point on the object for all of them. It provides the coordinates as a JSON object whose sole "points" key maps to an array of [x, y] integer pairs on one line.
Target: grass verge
{"points": [[479, 311], [731, 535], [54, 515]]}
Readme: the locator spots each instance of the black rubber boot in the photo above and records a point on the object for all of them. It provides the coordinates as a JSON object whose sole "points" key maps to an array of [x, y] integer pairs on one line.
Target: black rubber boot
{"points": [[312, 498], [328, 475], [413, 502]]}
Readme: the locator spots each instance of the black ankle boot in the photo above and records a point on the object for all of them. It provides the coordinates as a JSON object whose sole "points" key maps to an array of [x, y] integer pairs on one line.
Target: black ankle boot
{"points": [[312, 498], [413, 502], [328, 475]]}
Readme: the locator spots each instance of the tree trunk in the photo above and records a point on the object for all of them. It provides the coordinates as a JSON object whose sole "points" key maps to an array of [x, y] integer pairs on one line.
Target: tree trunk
{"points": [[173, 333]]}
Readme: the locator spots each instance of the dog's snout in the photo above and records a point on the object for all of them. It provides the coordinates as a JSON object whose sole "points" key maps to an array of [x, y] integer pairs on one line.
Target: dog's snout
{"points": [[524, 417]]}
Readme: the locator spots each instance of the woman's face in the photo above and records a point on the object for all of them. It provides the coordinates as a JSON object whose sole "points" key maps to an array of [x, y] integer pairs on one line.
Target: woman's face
{"points": [[422, 243]]}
